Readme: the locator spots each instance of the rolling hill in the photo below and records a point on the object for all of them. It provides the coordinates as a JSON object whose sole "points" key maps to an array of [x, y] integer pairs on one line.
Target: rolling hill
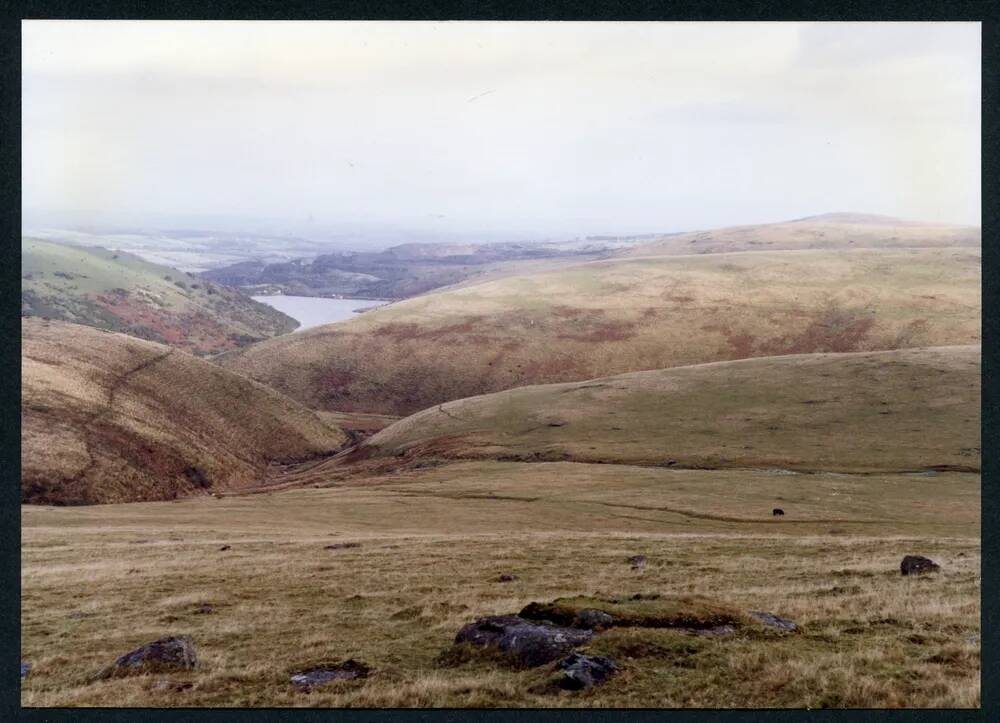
{"points": [[890, 411], [610, 317], [826, 231], [117, 291], [106, 417]]}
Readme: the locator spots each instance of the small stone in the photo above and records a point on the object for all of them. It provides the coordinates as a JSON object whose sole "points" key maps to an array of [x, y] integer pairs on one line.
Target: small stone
{"points": [[592, 619], [636, 561], [79, 615], [717, 632], [25, 669], [917, 565], [224, 548], [171, 686], [774, 622], [165, 654], [583, 671], [322, 674], [204, 609], [530, 643], [507, 578]]}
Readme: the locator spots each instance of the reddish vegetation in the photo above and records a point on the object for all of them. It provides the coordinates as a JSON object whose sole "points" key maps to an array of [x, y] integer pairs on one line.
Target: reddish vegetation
{"points": [[834, 329], [191, 331]]}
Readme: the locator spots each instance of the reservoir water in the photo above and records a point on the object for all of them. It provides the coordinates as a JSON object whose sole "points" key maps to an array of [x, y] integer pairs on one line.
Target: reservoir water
{"points": [[312, 311]]}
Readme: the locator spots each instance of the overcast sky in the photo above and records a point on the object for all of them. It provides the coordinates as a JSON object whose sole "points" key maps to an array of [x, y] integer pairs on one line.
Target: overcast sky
{"points": [[502, 129]]}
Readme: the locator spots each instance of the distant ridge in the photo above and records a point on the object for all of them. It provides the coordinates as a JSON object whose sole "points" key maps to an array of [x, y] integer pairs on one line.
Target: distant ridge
{"points": [[838, 230], [863, 218]]}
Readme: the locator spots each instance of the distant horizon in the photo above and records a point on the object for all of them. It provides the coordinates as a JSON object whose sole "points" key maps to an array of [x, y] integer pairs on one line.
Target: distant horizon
{"points": [[274, 227], [501, 130]]}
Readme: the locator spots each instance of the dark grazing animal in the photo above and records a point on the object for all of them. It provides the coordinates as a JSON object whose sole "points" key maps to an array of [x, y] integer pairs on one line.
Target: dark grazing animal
{"points": [[777, 511]]}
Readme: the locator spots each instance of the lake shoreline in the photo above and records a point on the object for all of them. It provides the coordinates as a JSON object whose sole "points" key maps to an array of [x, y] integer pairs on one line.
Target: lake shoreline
{"points": [[313, 311]]}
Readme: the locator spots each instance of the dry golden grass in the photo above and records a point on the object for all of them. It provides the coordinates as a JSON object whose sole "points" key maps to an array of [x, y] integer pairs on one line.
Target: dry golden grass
{"points": [[106, 417], [900, 410], [433, 542], [828, 231], [597, 319]]}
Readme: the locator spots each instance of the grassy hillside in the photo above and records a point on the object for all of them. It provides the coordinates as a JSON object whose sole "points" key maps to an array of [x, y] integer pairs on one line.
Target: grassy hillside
{"points": [[106, 417], [120, 292], [898, 410], [610, 317], [432, 545], [828, 231]]}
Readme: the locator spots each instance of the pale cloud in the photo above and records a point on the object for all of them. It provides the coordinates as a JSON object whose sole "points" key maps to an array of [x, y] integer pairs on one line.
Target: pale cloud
{"points": [[517, 128]]}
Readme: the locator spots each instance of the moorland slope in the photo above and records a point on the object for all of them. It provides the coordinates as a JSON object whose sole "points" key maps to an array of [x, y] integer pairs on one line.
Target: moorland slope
{"points": [[912, 409], [610, 317], [117, 291], [106, 417]]}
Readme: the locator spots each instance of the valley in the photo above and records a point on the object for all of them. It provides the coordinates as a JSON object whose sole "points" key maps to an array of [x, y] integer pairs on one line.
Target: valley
{"points": [[733, 429]]}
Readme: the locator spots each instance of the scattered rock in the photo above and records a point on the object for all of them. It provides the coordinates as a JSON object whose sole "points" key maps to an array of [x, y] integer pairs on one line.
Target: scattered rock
{"points": [[917, 565], [636, 561], [79, 615], [327, 673], [774, 622], [204, 609], [717, 632], [583, 671], [171, 686], [592, 619], [530, 643], [224, 548], [342, 545], [165, 654], [25, 669], [507, 578], [969, 639]]}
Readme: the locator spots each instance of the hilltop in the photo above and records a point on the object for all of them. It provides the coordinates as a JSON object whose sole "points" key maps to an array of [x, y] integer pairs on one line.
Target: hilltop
{"points": [[117, 291], [106, 417], [890, 411], [609, 317], [825, 231]]}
